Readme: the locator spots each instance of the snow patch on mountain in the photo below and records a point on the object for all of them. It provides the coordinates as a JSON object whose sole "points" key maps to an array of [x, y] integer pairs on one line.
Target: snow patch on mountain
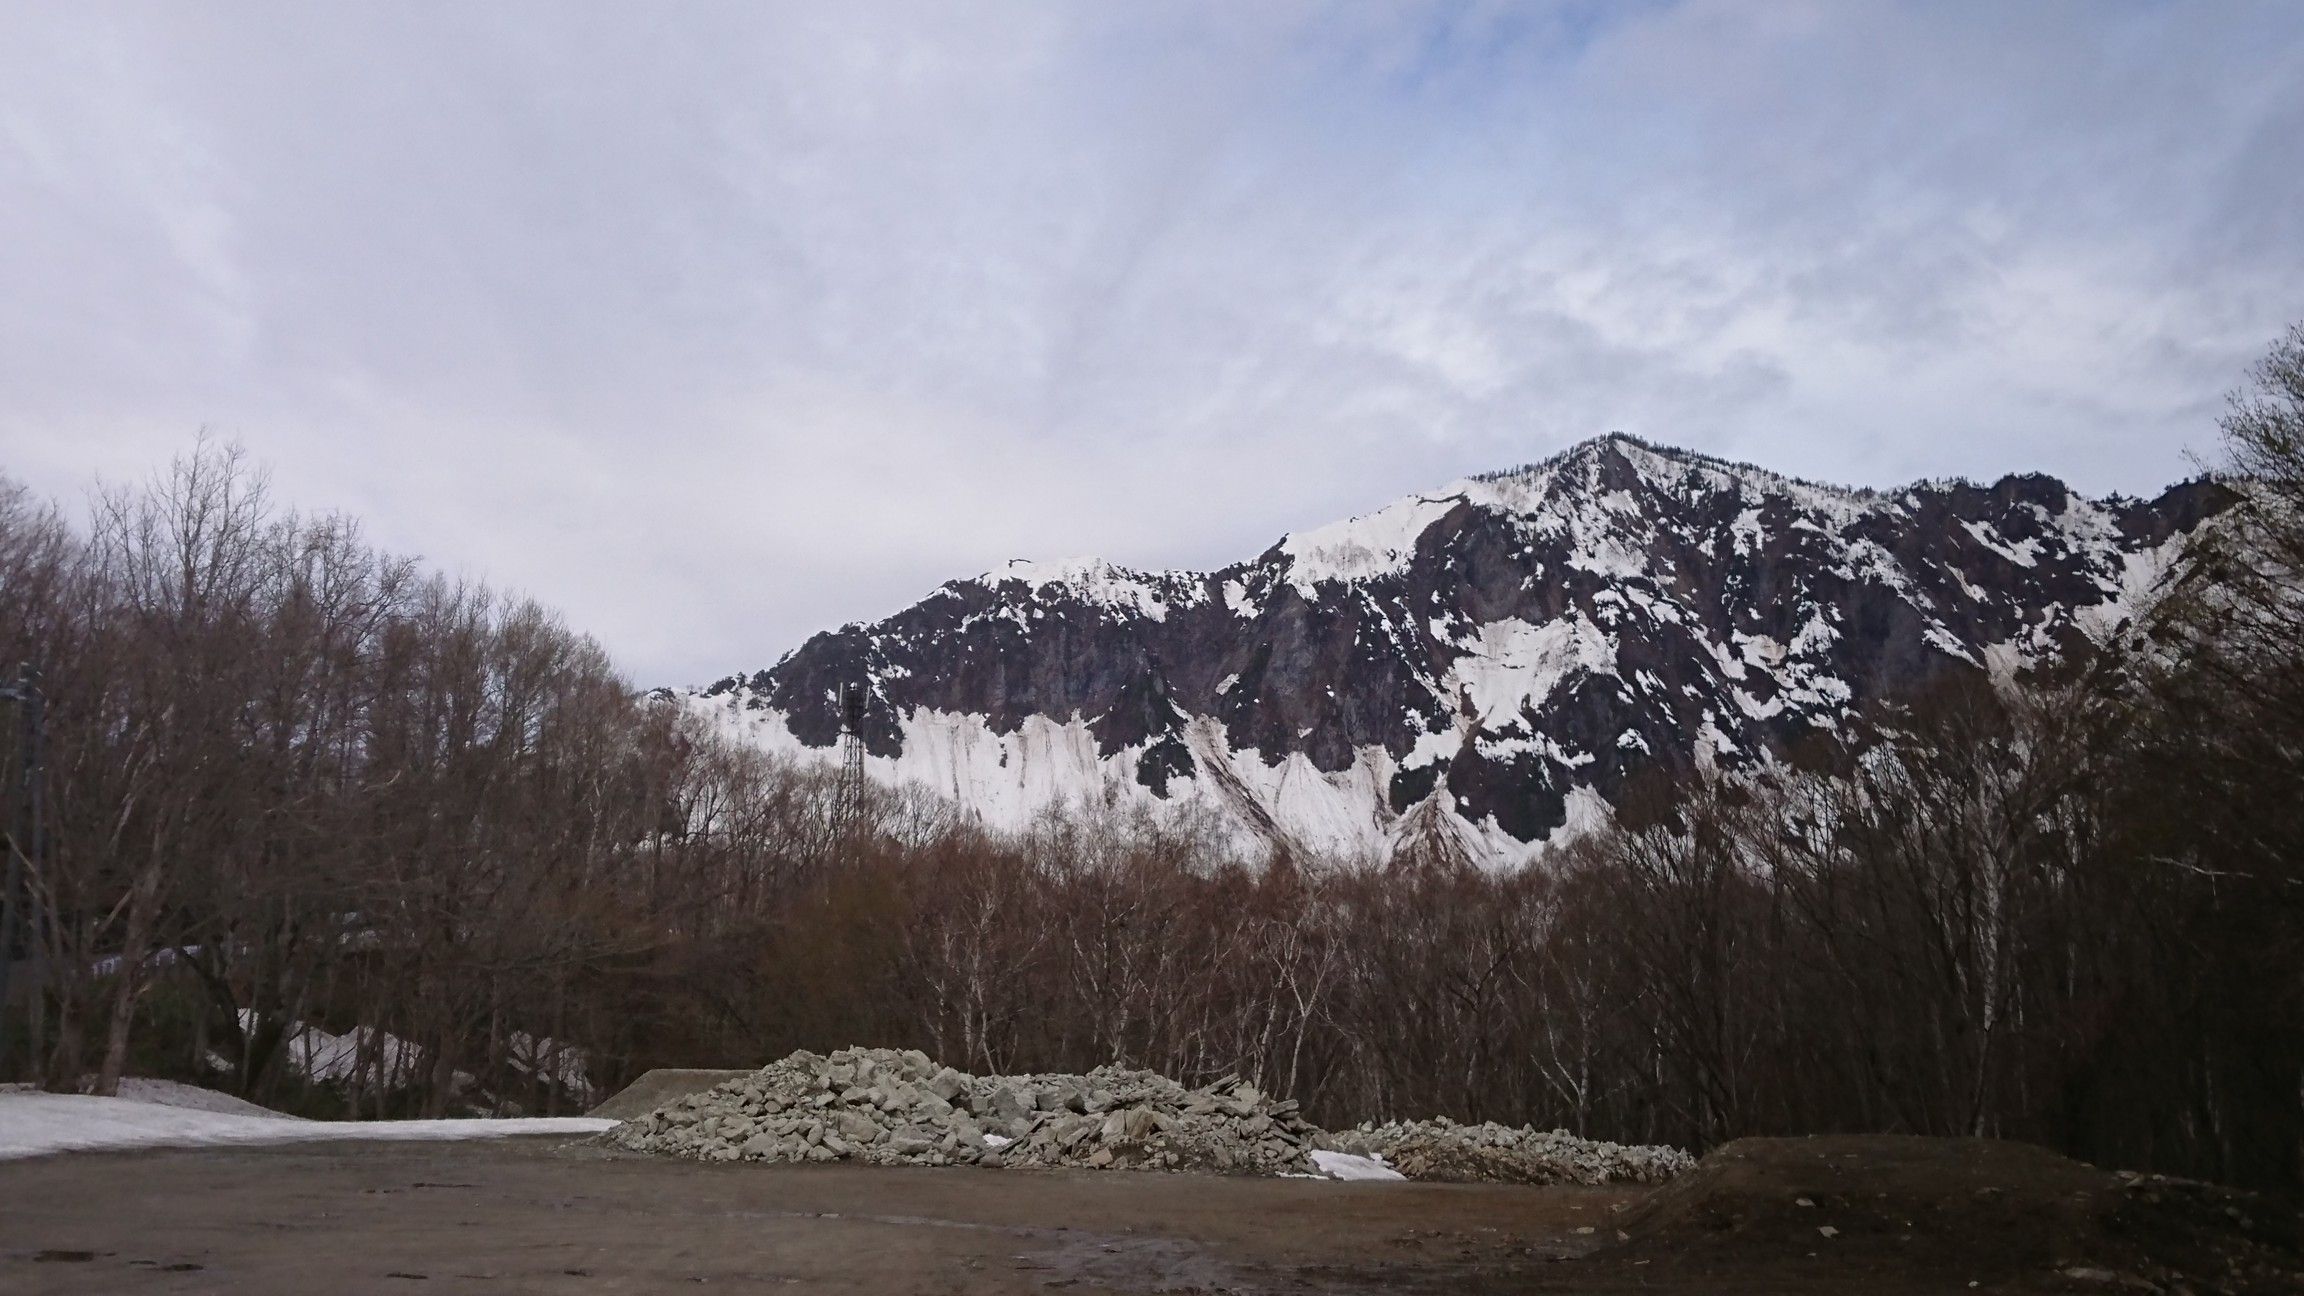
{"points": [[1006, 780], [2129, 590], [1102, 584], [1365, 547], [1509, 667]]}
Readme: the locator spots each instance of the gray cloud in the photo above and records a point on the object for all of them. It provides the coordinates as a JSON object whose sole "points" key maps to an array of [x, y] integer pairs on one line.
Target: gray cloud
{"points": [[716, 325]]}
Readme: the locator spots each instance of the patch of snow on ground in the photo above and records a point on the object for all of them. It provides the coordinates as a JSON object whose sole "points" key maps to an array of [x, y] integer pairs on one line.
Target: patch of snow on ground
{"points": [[41, 1124], [1344, 1165], [544, 1058], [318, 1055]]}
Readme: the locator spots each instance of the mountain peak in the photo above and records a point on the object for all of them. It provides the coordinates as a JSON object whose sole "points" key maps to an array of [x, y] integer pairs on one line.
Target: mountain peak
{"points": [[1659, 464], [1469, 664]]}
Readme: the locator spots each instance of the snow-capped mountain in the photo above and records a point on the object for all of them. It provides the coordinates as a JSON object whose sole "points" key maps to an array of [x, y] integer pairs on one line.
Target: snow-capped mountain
{"points": [[1472, 669]]}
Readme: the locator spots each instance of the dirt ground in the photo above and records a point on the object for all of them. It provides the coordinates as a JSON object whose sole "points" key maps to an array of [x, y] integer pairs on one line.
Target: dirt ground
{"points": [[548, 1216]]}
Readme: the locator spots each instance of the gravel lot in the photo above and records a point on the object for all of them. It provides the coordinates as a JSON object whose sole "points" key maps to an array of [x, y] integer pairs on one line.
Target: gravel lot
{"points": [[1870, 1215]]}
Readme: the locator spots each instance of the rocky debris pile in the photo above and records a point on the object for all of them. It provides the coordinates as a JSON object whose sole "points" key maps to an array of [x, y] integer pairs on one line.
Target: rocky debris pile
{"points": [[1440, 1149], [1144, 1120], [887, 1107]]}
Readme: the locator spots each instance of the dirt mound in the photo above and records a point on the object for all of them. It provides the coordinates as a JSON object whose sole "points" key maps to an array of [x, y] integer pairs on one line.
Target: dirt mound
{"points": [[1964, 1211], [655, 1088]]}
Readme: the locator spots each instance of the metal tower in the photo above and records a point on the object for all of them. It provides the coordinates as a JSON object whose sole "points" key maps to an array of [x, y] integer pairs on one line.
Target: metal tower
{"points": [[848, 796]]}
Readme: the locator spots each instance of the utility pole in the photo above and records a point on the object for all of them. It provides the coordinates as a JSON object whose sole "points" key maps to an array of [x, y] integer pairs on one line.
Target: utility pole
{"points": [[24, 827]]}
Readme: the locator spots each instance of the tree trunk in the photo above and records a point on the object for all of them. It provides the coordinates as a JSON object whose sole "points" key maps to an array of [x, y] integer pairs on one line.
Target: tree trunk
{"points": [[143, 906]]}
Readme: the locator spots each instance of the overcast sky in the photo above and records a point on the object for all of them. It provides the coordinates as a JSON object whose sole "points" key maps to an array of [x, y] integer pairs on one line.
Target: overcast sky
{"points": [[714, 325]]}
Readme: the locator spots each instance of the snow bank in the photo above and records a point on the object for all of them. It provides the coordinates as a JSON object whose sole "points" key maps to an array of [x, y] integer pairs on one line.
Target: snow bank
{"points": [[170, 1093], [166, 1093], [37, 1124]]}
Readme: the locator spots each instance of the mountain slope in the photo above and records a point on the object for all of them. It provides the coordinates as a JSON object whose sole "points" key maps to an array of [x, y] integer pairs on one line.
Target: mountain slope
{"points": [[1472, 669]]}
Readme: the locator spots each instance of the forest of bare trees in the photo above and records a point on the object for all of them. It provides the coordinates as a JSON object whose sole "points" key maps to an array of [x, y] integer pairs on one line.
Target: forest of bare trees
{"points": [[291, 779]]}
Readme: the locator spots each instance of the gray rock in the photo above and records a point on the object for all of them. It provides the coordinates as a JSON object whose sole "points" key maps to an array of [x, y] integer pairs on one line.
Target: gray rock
{"points": [[1128, 1123], [1009, 1102], [855, 1125]]}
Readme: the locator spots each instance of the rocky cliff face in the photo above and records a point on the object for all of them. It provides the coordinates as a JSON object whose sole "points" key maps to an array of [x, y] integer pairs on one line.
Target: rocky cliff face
{"points": [[1475, 668]]}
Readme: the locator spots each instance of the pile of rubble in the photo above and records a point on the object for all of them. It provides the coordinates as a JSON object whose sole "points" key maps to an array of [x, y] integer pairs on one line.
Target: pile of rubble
{"points": [[886, 1107], [1443, 1150], [889, 1108]]}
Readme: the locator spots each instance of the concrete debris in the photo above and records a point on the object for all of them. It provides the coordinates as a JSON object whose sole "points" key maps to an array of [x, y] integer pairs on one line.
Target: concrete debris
{"points": [[886, 1107], [1441, 1149]]}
